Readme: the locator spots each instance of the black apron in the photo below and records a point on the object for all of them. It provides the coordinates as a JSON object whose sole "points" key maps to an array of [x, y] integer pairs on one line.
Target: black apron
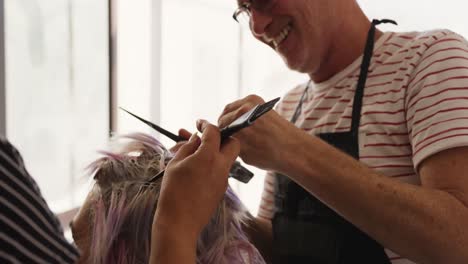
{"points": [[304, 229]]}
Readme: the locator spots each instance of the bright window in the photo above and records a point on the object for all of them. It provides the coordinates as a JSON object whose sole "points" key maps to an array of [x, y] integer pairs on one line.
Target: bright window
{"points": [[57, 91]]}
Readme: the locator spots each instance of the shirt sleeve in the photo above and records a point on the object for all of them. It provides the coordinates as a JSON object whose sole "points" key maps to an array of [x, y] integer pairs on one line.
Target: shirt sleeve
{"points": [[29, 231], [437, 97]]}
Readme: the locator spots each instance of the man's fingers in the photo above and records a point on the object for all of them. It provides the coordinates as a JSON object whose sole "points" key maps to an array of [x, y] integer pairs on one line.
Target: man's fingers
{"points": [[250, 99], [231, 112], [231, 107], [236, 109], [188, 148], [184, 133], [227, 119]]}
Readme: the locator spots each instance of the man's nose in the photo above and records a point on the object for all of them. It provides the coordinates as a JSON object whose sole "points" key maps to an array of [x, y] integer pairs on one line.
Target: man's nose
{"points": [[259, 23]]}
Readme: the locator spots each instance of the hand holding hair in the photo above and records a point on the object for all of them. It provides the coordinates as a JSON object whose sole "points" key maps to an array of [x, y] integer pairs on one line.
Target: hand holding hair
{"points": [[194, 184]]}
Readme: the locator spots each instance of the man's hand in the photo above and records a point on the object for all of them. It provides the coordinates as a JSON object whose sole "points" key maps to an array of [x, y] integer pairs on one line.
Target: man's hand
{"points": [[266, 143]]}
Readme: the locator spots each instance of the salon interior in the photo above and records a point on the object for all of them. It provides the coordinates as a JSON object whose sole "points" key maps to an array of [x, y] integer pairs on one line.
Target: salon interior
{"points": [[68, 65]]}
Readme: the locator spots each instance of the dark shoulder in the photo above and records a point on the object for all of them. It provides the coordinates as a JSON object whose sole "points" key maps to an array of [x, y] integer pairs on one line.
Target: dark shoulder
{"points": [[8, 151]]}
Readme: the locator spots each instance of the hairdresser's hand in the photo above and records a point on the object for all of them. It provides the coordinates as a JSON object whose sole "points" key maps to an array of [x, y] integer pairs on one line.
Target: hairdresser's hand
{"points": [[183, 133], [268, 141], [196, 180]]}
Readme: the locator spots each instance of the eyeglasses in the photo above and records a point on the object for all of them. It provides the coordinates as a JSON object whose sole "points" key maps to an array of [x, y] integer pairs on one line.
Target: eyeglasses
{"points": [[244, 12]]}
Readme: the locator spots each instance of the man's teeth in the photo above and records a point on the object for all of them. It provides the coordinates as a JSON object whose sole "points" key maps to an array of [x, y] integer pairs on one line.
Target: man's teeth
{"points": [[281, 36]]}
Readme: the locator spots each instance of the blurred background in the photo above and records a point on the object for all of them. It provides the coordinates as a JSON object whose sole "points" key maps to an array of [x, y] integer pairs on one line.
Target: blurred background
{"points": [[66, 65]]}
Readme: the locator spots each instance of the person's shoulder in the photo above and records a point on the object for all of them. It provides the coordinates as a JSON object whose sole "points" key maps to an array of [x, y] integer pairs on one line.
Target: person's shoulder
{"points": [[423, 41], [439, 48], [428, 36], [418, 41], [441, 37], [425, 49], [3, 141], [7, 147], [437, 34], [9, 153]]}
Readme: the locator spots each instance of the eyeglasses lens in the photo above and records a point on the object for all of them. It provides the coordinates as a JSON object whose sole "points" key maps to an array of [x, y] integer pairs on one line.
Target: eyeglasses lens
{"points": [[244, 19]]}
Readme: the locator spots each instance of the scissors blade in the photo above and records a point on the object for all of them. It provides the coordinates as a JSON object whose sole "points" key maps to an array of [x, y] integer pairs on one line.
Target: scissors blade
{"points": [[161, 130]]}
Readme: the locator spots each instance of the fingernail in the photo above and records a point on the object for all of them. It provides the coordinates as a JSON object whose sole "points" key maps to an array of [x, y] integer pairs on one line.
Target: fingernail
{"points": [[193, 137], [200, 123]]}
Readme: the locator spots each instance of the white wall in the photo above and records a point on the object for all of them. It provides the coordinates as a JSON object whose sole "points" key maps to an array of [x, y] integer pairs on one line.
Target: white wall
{"points": [[420, 15]]}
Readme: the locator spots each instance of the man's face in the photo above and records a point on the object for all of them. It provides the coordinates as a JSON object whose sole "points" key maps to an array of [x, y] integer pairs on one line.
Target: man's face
{"points": [[299, 30]]}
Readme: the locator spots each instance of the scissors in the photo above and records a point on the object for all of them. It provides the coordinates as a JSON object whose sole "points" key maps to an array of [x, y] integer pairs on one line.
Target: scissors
{"points": [[237, 171]]}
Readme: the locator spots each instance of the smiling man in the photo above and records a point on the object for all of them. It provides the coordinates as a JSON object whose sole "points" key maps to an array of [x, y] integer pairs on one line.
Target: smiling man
{"points": [[367, 160]]}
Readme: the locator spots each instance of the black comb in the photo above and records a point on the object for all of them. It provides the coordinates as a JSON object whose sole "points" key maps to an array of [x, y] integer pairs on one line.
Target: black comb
{"points": [[161, 130]]}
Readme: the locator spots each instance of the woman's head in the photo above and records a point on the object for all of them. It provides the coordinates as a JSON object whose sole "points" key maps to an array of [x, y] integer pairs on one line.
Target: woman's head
{"points": [[114, 224]]}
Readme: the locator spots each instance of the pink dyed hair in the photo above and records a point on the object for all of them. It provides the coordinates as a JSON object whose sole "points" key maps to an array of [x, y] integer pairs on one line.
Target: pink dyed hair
{"points": [[123, 212]]}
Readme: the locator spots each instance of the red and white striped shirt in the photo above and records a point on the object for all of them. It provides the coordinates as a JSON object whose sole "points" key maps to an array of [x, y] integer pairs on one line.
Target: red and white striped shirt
{"points": [[415, 104]]}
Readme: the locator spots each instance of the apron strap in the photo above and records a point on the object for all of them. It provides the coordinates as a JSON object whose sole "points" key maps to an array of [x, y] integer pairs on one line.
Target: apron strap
{"points": [[298, 110], [366, 60], [357, 103]]}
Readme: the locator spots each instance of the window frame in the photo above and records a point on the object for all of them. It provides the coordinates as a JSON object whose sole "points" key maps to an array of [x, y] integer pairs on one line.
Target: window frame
{"points": [[112, 54]]}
